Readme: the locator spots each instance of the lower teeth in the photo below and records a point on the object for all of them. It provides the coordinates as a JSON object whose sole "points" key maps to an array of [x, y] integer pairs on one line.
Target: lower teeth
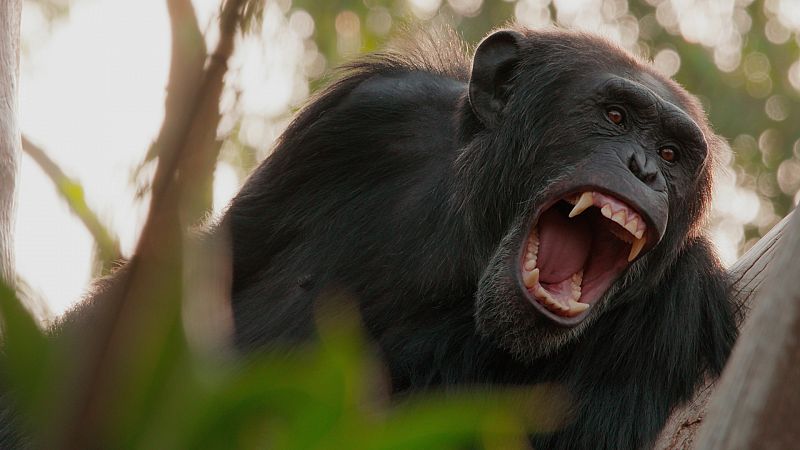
{"points": [[531, 281]]}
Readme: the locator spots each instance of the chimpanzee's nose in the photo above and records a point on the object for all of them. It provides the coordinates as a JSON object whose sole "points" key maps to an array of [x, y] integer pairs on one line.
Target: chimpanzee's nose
{"points": [[643, 167]]}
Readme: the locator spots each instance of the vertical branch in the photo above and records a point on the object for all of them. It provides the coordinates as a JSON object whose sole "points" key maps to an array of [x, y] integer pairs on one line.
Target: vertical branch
{"points": [[190, 160], [186, 77], [9, 130], [144, 302]]}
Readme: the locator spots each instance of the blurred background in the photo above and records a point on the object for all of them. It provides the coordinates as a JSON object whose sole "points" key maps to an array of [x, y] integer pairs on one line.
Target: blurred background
{"points": [[93, 82]]}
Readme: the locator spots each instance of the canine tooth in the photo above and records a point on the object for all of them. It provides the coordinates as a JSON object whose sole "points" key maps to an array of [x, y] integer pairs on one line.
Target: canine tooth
{"points": [[531, 278], [576, 308], [606, 210], [636, 247], [633, 225], [583, 202]]}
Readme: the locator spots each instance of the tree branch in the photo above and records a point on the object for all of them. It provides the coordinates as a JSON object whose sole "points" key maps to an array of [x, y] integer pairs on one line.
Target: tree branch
{"points": [[9, 131], [757, 398], [748, 275], [148, 295], [72, 192]]}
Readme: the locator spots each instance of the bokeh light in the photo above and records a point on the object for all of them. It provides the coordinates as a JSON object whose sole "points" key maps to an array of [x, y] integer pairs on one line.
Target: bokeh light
{"points": [[667, 61]]}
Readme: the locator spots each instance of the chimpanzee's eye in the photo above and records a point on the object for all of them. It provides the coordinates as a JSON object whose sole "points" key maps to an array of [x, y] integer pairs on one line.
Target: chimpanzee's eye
{"points": [[668, 154], [615, 115]]}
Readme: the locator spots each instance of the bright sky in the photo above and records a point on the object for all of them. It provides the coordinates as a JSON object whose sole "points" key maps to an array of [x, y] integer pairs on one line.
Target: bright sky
{"points": [[92, 94]]}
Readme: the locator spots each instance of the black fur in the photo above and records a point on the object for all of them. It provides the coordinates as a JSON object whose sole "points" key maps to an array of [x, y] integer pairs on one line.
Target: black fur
{"points": [[388, 188]]}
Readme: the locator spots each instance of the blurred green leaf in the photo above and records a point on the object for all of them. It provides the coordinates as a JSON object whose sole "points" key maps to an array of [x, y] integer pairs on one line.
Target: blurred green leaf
{"points": [[27, 361]]}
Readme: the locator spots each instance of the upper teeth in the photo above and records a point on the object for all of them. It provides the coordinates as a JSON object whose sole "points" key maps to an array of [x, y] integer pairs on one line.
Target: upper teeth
{"points": [[624, 216]]}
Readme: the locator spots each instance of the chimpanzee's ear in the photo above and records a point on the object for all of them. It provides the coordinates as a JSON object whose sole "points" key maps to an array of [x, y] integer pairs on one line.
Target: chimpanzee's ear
{"points": [[492, 69]]}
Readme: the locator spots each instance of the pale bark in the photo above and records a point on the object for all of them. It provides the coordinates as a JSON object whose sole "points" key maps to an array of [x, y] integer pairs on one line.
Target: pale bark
{"points": [[758, 399], [9, 130], [754, 403]]}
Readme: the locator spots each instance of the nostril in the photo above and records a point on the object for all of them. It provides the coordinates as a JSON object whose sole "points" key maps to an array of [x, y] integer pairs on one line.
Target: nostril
{"points": [[633, 166], [639, 167]]}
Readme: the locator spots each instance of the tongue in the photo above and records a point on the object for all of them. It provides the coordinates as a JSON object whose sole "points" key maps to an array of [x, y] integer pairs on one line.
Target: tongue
{"points": [[564, 246]]}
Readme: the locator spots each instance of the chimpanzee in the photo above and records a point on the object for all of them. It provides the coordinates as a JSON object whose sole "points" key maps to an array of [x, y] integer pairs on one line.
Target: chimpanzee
{"points": [[534, 217]]}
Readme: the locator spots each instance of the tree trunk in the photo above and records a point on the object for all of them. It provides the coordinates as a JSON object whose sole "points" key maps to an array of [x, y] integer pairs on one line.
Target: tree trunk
{"points": [[756, 400], [9, 131]]}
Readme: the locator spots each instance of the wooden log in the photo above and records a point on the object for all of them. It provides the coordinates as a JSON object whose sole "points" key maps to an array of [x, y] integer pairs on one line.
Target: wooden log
{"points": [[764, 280]]}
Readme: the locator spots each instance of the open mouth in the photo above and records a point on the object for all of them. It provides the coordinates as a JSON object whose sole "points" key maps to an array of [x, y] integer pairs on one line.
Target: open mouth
{"points": [[577, 249]]}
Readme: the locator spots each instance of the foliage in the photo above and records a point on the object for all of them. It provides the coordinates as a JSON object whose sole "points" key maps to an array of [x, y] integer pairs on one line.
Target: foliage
{"points": [[323, 396]]}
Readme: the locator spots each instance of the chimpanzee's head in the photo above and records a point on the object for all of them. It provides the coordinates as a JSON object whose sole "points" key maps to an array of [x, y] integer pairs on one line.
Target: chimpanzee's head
{"points": [[603, 168]]}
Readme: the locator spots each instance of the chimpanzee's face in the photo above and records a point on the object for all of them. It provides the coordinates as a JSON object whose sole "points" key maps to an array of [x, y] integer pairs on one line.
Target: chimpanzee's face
{"points": [[624, 164]]}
